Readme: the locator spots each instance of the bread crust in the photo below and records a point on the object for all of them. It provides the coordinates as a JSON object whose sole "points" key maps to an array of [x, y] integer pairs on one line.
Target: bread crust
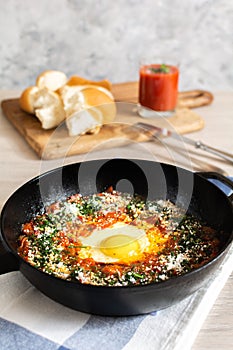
{"points": [[26, 100], [77, 80]]}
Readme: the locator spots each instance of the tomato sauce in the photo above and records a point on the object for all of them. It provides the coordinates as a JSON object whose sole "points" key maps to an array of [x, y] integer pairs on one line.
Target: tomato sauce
{"points": [[158, 90]]}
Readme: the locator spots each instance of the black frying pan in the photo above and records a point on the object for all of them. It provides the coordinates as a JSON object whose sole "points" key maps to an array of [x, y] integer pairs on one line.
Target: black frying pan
{"points": [[150, 179]]}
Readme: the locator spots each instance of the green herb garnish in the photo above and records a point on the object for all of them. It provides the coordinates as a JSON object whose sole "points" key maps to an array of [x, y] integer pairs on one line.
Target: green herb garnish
{"points": [[162, 69], [137, 275], [87, 209]]}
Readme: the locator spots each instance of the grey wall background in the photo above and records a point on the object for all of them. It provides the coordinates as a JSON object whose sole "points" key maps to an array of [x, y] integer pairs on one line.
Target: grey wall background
{"points": [[107, 39]]}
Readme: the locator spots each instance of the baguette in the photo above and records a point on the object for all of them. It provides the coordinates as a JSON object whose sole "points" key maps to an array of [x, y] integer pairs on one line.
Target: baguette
{"points": [[84, 105]]}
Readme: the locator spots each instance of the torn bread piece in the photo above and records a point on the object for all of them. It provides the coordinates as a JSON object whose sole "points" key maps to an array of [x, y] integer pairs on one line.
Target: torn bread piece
{"points": [[85, 121], [45, 104], [87, 108], [51, 79]]}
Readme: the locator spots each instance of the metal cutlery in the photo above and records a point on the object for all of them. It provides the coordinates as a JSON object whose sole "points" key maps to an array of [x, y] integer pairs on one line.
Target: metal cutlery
{"points": [[157, 131]]}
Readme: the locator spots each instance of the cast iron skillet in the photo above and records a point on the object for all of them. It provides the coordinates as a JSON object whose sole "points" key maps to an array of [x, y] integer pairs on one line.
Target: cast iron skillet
{"points": [[150, 179]]}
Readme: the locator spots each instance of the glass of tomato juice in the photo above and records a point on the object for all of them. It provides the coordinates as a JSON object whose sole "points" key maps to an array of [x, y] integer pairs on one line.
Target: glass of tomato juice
{"points": [[158, 90]]}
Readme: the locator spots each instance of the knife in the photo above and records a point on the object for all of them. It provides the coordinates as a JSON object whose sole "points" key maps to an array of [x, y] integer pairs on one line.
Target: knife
{"points": [[156, 131]]}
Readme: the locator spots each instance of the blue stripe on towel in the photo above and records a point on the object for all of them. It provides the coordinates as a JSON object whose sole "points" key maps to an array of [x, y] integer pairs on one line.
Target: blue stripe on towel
{"points": [[107, 333], [15, 337]]}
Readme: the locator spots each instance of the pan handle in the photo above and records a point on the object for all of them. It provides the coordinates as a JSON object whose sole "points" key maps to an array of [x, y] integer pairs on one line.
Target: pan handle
{"points": [[221, 178], [8, 262]]}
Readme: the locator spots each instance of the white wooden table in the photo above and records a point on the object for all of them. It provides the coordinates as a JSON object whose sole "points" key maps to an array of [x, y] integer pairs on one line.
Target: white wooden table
{"points": [[19, 164]]}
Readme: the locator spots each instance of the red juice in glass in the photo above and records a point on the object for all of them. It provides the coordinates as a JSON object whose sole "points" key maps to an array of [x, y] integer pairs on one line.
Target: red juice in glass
{"points": [[158, 87]]}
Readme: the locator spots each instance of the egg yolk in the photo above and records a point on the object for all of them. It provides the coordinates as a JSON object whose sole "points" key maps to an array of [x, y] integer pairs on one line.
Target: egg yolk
{"points": [[120, 246]]}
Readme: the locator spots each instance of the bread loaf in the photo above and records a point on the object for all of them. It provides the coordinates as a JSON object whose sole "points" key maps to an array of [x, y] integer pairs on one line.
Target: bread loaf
{"points": [[84, 105]]}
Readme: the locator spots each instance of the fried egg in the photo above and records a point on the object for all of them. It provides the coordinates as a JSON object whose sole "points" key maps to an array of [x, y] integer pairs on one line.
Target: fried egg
{"points": [[119, 243]]}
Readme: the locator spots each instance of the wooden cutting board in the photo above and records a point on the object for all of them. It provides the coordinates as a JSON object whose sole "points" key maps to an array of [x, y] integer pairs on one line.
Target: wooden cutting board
{"points": [[56, 143]]}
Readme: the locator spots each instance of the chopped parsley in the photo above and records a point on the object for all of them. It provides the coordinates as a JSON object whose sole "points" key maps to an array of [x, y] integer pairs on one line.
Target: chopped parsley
{"points": [[162, 69]]}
